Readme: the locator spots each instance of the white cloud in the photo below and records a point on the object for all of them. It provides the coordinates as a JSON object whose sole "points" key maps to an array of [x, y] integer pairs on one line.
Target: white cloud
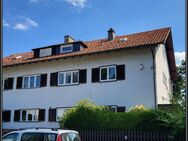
{"points": [[179, 56], [26, 24], [31, 22], [77, 3], [20, 26], [6, 24]]}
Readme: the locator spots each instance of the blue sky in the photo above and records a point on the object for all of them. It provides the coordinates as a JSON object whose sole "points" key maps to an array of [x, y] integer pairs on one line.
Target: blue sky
{"points": [[31, 24]]}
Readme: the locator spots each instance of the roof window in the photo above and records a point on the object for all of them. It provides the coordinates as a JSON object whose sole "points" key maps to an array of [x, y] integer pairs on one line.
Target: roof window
{"points": [[123, 39]]}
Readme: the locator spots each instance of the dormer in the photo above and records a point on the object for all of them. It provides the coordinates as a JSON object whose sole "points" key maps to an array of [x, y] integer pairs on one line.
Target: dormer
{"points": [[69, 46]]}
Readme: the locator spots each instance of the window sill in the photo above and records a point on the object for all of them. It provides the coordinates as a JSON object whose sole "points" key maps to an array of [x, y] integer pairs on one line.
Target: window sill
{"points": [[30, 88], [104, 81], [59, 85]]}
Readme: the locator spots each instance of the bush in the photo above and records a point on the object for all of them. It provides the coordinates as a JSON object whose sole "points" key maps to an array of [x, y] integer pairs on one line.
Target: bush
{"points": [[138, 108], [83, 116], [87, 116]]}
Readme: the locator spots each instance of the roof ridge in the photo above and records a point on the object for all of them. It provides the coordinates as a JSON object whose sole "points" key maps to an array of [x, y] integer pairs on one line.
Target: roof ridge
{"points": [[130, 34]]}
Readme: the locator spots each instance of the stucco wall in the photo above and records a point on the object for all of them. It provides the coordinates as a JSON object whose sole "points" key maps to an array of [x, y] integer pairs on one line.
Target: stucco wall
{"points": [[164, 92], [137, 88]]}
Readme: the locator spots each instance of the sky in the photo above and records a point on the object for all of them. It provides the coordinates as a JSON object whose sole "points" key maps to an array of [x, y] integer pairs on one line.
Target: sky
{"points": [[29, 24]]}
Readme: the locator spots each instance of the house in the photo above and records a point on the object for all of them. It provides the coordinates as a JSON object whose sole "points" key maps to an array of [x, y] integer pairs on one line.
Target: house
{"points": [[117, 71]]}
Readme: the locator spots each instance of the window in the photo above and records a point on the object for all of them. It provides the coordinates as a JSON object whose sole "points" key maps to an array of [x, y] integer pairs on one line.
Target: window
{"points": [[164, 79], [38, 137], [45, 52], [8, 83], [67, 48], [113, 108], [108, 73], [31, 81], [24, 115], [30, 115], [11, 137], [38, 79], [5, 84], [68, 78], [59, 114], [70, 137], [26, 82], [121, 109], [6, 115], [116, 108]]}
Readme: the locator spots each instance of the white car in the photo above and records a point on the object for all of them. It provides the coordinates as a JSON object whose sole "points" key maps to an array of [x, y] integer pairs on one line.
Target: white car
{"points": [[42, 135]]}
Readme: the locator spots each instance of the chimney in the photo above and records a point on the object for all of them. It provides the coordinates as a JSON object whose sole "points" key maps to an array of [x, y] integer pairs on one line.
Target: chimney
{"points": [[68, 39], [111, 34]]}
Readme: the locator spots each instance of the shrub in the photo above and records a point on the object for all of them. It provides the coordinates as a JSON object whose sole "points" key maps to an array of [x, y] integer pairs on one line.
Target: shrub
{"points": [[83, 116], [138, 108], [87, 115]]}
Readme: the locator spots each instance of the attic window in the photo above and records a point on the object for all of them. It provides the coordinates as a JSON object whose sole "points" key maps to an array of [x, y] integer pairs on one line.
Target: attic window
{"points": [[45, 52], [18, 57], [66, 48], [123, 39]]}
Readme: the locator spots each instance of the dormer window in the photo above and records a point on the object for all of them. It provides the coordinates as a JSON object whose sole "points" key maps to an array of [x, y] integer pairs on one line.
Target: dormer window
{"points": [[45, 52], [66, 48]]}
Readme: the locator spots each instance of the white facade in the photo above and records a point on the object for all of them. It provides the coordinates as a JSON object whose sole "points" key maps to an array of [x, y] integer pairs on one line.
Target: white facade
{"points": [[164, 89], [136, 89]]}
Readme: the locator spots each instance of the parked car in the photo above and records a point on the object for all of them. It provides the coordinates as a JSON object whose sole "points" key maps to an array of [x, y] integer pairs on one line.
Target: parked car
{"points": [[42, 135]]}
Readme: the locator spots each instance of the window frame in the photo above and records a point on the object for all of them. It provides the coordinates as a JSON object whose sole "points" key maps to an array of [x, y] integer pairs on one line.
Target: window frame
{"points": [[113, 108], [64, 46], [65, 108], [29, 81], [5, 79], [64, 79], [26, 117], [108, 68], [61, 108], [45, 50]]}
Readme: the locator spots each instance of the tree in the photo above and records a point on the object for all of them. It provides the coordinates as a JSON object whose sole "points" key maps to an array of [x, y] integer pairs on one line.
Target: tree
{"points": [[179, 88]]}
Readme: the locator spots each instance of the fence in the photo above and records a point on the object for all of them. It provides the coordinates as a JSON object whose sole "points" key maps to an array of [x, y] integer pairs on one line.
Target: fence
{"points": [[120, 135]]}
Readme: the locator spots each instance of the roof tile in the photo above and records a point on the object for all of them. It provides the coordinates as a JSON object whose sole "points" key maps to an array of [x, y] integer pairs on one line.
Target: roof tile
{"points": [[95, 46]]}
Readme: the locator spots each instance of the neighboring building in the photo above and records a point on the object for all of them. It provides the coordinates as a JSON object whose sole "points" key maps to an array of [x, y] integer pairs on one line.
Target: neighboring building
{"points": [[117, 71]]}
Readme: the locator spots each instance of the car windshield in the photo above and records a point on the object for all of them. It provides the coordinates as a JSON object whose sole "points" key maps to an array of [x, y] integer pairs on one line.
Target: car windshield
{"points": [[38, 137], [10, 137]]}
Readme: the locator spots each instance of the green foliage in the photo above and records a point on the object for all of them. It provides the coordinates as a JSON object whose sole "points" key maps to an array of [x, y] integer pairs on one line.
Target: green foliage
{"points": [[138, 108], [87, 116], [83, 116], [179, 88], [178, 112]]}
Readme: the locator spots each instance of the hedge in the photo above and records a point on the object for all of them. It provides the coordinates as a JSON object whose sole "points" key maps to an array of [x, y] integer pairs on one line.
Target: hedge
{"points": [[86, 116]]}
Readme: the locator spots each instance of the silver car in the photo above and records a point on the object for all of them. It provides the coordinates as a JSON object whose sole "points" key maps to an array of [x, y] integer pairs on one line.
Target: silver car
{"points": [[42, 135]]}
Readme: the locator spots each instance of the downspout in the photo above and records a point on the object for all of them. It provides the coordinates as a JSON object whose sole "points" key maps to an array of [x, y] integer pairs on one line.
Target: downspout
{"points": [[154, 75]]}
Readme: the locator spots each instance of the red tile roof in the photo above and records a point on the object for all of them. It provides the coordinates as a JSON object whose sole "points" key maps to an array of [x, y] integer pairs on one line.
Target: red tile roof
{"points": [[96, 46]]}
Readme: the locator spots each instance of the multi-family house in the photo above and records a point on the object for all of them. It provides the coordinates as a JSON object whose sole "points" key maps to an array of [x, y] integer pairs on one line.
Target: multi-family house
{"points": [[117, 71]]}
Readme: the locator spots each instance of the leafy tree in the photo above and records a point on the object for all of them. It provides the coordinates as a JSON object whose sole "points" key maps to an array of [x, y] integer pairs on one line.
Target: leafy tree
{"points": [[179, 88]]}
